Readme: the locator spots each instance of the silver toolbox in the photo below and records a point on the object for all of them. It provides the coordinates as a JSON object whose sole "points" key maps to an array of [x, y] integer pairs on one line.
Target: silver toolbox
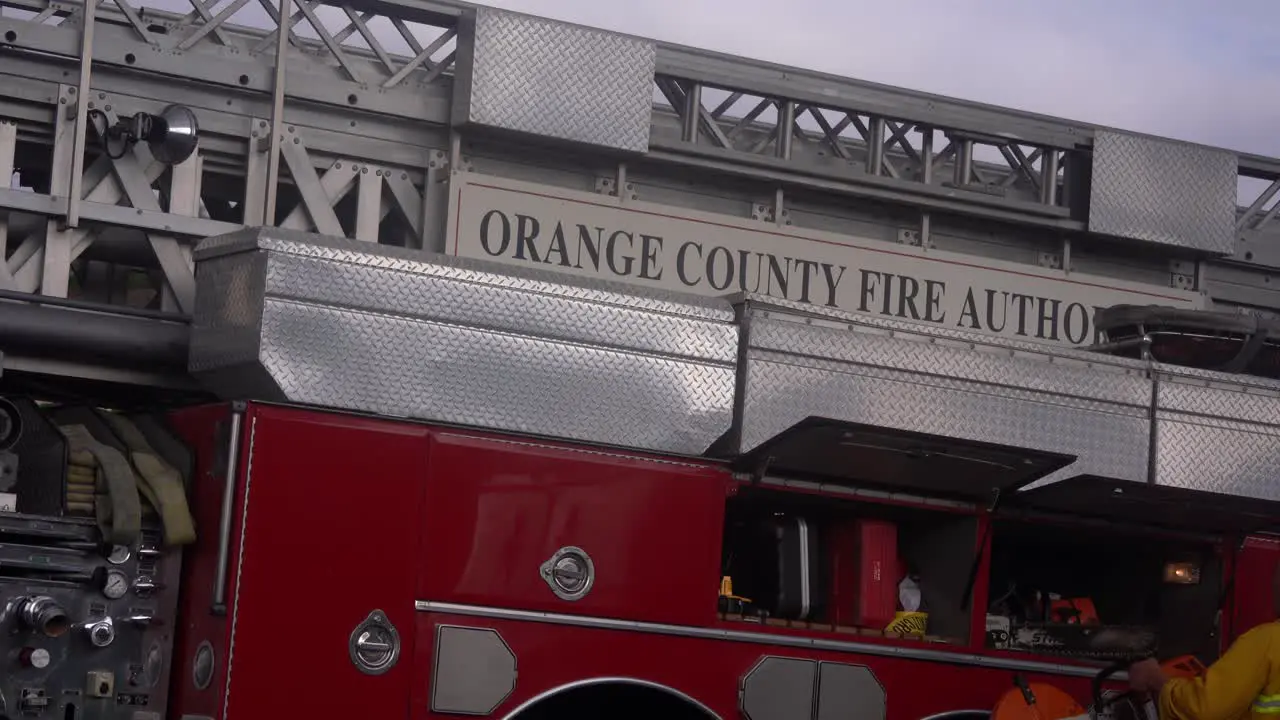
{"points": [[292, 316]]}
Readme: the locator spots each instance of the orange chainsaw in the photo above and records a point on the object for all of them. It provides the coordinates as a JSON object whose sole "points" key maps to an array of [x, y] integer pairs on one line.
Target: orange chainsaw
{"points": [[1044, 701]]}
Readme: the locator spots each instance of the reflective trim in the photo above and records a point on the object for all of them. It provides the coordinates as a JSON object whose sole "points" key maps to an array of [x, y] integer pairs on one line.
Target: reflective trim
{"points": [[779, 640], [1267, 705]]}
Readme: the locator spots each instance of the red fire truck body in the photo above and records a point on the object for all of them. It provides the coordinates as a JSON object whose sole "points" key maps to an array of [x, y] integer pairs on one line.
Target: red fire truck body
{"points": [[490, 571], [462, 516]]}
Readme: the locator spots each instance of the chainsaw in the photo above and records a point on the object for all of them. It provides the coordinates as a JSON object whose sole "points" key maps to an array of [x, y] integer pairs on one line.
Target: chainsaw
{"points": [[1043, 701]]}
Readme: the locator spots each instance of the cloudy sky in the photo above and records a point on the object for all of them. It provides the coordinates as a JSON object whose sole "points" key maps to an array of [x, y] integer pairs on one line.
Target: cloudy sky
{"points": [[1201, 70]]}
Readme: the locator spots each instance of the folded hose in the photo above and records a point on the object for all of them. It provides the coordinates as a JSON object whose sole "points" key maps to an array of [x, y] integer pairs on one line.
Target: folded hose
{"points": [[114, 492], [106, 483], [158, 481]]}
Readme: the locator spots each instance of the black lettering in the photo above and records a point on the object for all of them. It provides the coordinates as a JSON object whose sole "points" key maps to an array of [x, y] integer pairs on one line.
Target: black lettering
{"points": [[681, 269], [806, 267], [887, 287], [486, 240], [1076, 318], [591, 245], [744, 261], [558, 247], [907, 290], [726, 266], [969, 309], [779, 274], [650, 246], [933, 292], [1047, 329], [526, 233], [869, 278], [1024, 306], [991, 311], [833, 281], [612, 257]]}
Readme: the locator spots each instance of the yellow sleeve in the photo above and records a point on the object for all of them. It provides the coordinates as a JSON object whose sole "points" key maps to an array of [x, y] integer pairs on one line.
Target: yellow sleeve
{"points": [[1229, 687]]}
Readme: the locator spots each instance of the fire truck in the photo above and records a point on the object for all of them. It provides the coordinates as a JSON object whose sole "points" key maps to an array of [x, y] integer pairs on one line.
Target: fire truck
{"points": [[416, 359]]}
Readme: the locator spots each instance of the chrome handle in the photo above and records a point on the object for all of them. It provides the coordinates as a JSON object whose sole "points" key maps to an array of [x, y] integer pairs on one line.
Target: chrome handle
{"points": [[224, 519]]}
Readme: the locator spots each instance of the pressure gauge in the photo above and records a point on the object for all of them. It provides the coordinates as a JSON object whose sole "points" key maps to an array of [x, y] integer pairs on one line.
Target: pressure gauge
{"points": [[119, 554], [116, 585]]}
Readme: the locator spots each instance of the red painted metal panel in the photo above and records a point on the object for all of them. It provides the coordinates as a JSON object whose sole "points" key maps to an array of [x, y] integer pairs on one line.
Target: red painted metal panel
{"points": [[551, 656], [199, 428], [1253, 593], [496, 509]]}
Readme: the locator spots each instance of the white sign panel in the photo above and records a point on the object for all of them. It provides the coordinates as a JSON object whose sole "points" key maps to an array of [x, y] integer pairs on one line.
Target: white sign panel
{"points": [[685, 250]]}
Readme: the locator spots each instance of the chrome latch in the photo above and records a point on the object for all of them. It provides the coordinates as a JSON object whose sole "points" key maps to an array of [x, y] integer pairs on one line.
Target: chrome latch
{"points": [[569, 573], [374, 644]]}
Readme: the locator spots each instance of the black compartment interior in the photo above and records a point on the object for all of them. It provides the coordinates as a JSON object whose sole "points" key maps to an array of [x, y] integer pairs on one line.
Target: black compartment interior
{"points": [[936, 545], [1121, 570]]}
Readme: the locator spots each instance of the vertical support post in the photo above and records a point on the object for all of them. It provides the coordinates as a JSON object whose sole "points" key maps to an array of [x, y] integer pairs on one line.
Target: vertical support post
{"points": [[786, 125], [1049, 177], [964, 162], [82, 110], [455, 152], [256, 171], [435, 203], [926, 177], [277, 114], [1066, 256], [368, 204], [8, 146], [692, 113], [875, 146], [623, 192], [56, 261]]}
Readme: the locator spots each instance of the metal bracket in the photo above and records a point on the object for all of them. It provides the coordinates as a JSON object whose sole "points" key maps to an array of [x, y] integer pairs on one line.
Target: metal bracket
{"points": [[1182, 274]]}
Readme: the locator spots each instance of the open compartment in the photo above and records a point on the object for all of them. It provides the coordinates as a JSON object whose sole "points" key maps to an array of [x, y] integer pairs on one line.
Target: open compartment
{"points": [[875, 530], [1098, 568], [838, 563]]}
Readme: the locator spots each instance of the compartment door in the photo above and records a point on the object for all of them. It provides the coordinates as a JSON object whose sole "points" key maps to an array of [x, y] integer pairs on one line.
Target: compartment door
{"points": [[1253, 594]]}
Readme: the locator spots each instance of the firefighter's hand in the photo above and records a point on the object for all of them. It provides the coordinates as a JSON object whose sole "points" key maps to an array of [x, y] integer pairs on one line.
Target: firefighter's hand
{"points": [[1146, 676]]}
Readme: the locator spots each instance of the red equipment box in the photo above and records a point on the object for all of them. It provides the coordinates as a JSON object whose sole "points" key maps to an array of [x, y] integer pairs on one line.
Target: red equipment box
{"points": [[864, 573]]}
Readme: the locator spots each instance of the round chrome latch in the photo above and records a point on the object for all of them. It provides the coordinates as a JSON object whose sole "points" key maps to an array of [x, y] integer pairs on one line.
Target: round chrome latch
{"points": [[375, 644], [202, 666], [569, 573]]}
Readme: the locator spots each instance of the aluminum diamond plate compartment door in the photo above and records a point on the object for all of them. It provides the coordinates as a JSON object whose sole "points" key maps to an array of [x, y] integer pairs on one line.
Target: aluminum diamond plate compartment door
{"points": [[554, 80], [1218, 433], [820, 386], [290, 316], [1163, 191]]}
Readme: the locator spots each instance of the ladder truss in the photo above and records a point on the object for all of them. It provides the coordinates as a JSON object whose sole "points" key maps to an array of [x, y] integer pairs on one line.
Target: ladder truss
{"points": [[359, 130]]}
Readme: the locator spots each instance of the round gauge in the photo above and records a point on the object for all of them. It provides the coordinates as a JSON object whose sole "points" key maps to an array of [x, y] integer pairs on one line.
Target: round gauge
{"points": [[116, 585], [119, 554]]}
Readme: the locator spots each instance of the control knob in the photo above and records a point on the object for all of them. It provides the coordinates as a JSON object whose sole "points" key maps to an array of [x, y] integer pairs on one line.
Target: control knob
{"points": [[37, 658]]}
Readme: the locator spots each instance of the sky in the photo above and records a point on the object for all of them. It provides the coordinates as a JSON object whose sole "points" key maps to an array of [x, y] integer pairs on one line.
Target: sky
{"points": [[1200, 70]]}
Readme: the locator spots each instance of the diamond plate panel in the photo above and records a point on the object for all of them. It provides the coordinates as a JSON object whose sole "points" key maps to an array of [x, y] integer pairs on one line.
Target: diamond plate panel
{"points": [[796, 370], [1163, 191], [1218, 438], [551, 79], [348, 325]]}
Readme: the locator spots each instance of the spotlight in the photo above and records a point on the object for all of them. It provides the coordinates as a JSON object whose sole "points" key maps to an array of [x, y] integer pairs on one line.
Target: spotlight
{"points": [[171, 135]]}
